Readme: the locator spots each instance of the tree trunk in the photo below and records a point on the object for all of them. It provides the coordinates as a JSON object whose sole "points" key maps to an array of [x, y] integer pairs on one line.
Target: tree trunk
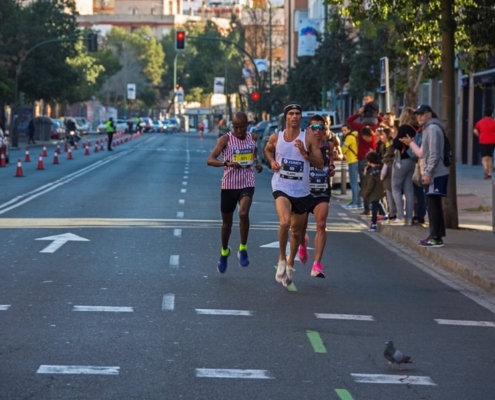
{"points": [[448, 105]]}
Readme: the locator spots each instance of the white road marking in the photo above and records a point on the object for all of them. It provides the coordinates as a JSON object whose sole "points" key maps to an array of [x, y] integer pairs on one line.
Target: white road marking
{"points": [[233, 373], [342, 214], [177, 232], [465, 323], [350, 317], [168, 302], [183, 190], [185, 177], [77, 369], [174, 261], [60, 240], [180, 214], [203, 311], [184, 183], [103, 309], [4, 307], [182, 201], [393, 379], [345, 218]]}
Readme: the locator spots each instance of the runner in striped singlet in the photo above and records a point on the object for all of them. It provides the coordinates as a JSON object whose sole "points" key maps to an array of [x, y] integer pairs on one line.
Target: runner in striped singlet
{"points": [[239, 159]]}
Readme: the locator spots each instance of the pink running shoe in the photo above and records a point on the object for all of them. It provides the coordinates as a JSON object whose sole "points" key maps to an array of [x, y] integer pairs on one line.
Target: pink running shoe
{"points": [[302, 252], [317, 270]]}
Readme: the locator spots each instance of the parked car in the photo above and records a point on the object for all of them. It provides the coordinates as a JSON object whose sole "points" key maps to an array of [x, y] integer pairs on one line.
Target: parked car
{"points": [[57, 130], [173, 124], [158, 126], [263, 138], [259, 128], [120, 126], [82, 125], [4, 145]]}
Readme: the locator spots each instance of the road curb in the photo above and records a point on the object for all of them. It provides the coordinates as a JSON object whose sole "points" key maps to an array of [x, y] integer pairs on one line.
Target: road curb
{"points": [[439, 257]]}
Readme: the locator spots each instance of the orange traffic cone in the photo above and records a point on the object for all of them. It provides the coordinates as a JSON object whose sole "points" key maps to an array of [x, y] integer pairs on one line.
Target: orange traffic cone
{"points": [[101, 146], [2, 160], [58, 149], [18, 171], [69, 154], [55, 158], [40, 162], [86, 150], [96, 148], [27, 158], [44, 153], [75, 145]]}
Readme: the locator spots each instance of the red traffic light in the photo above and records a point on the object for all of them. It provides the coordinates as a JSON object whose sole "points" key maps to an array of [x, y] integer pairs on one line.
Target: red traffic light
{"points": [[180, 40], [255, 96]]}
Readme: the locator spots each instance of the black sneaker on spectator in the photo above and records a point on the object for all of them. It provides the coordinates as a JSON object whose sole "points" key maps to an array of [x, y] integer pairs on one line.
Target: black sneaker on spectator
{"points": [[366, 213]]}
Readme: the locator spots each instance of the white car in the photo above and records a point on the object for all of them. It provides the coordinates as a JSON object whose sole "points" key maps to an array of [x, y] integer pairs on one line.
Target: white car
{"points": [[120, 126]]}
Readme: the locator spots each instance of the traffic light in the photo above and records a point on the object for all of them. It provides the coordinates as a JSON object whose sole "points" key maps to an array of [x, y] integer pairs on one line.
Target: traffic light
{"points": [[255, 96], [180, 40], [92, 42]]}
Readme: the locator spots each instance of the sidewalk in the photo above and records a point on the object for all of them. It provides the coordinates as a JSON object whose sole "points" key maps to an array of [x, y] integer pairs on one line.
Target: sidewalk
{"points": [[468, 251]]}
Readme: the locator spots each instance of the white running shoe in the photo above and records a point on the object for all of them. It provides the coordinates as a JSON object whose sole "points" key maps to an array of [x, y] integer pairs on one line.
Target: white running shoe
{"points": [[280, 274], [289, 275]]}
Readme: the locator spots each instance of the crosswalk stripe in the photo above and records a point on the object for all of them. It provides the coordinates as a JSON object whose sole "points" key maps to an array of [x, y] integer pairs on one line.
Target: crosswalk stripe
{"points": [[245, 313], [233, 373], [103, 309], [465, 323], [77, 369], [393, 379], [350, 317]]}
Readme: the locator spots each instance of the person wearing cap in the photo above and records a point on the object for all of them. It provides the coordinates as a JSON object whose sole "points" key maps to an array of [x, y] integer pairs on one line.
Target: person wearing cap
{"points": [[485, 130], [434, 174], [239, 160], [290, 154]]}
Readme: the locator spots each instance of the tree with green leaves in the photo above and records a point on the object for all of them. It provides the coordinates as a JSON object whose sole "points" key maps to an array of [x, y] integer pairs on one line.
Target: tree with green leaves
{"points": [[436, 30]]}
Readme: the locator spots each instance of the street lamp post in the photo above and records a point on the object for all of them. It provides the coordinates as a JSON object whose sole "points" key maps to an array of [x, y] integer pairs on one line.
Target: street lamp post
{"points": [[270, 45]]}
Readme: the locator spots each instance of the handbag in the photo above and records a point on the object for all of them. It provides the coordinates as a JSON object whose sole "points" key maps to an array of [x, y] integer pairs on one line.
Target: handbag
{"points": [[417, 176]]}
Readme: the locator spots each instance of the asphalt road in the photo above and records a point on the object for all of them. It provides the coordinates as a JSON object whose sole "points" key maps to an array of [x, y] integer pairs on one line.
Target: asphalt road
{"points": [[125, 301]]}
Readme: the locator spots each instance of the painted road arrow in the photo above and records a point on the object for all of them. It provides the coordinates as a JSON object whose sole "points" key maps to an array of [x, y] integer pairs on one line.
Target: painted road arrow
{"points": [[60, 240]]}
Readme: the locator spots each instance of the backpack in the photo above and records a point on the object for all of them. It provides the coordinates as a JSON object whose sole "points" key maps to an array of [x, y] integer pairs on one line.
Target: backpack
{"points": [[447, 151]]}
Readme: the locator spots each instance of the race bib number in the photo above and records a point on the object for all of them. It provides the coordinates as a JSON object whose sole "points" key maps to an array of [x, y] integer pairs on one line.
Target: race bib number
{"points": [[292, 169], [244, 157], [318, 179]]}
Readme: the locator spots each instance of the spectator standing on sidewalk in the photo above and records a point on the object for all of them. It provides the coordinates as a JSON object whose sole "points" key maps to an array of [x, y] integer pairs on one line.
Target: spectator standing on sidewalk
{"points": [[485, 130], [366, 143], [386, 173], [435, 174], [350, 151], [372, 187], [403, 169], [30, 132]]}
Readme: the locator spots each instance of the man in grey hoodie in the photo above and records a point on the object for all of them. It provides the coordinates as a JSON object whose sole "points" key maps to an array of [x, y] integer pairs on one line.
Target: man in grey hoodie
{"points": [[435, 174]]}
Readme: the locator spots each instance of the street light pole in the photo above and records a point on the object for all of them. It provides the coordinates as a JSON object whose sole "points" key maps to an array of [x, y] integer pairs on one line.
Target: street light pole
{"points": [[175, 80], [270, 44]]}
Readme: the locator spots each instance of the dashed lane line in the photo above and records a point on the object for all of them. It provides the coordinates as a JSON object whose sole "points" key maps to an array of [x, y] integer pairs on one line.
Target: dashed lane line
{"points": [[182, 201], [174, 261], [350, 317], [180, 214], [393, 379], [103, 309], [465, 323], [244, 313], [178, 233], [77, 370], [168, 302], [233, 373], [4, 307], [183, 190]]}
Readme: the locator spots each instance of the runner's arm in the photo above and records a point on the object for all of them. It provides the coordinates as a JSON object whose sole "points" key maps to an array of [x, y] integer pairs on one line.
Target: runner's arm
{"points": [[217, 150]]}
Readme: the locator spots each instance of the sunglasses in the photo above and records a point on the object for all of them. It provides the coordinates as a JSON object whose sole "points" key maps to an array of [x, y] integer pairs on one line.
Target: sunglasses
{"points": [[316, 127]]}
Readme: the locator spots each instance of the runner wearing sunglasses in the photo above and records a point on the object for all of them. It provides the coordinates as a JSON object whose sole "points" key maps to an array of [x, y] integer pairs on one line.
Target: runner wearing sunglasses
{"points": [[319, 182], [290, 153]]}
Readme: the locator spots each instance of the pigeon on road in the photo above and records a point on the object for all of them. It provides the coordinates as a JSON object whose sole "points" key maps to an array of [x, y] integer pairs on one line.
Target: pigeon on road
{"points": [[395, 356]]}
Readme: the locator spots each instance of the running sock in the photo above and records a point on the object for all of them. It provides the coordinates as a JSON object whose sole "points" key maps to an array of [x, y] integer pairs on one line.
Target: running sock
{"points": [[242, 247], [225, 252]]}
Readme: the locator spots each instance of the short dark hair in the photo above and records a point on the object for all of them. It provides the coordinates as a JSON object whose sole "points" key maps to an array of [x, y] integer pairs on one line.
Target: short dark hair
{"points": [[373, 157], [366, 131], [488, 112], [316, 117], [347, 126]]}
